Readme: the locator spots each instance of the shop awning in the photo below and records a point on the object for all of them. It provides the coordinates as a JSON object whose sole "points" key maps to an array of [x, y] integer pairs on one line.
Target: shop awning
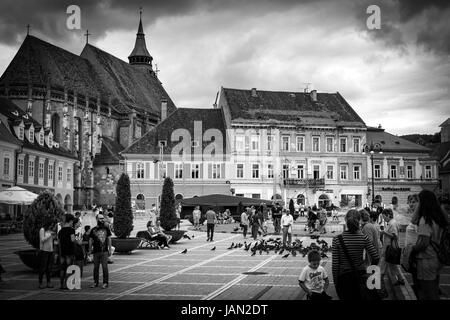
{"points": [[17, 195], [221, 200]]}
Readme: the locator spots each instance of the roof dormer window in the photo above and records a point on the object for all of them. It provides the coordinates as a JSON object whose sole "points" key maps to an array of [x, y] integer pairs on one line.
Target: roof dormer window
{"points": [[31, 134], [41, 138], [21, 133], [50, 140]]}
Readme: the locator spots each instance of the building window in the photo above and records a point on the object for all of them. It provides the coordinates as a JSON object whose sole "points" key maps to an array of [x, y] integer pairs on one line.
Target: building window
{"points": [[69, 174], [270, 140], [255, 171], [285, 143], [330, 172], [300, 144], [195, 171], [50, 140], [178, 171], [31, 135], [255, 143], [239, 170], [316, 171], [356, 145], [41, 138], [140, 170], [409, 172], [316, 144], [164, 170], [240, 143], [21, 132], [50, 172], [41, 170], [256, 196], [20, 165], [270, 171], [357, 173], [393, 172], [343, 144], [60, 173], [285, 171], [343, 172], [428, 172], [31, 168], [329, 144], [216, 171], [300, 171], [6, 166], [377, 171]]}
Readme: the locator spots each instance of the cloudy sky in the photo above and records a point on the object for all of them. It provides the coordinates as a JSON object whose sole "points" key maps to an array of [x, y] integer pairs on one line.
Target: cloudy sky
{"points": [[398, 76]]}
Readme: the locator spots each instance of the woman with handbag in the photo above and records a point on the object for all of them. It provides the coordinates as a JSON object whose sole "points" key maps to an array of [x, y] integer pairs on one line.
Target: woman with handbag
{"points": [[390, 255], [348, 267]]}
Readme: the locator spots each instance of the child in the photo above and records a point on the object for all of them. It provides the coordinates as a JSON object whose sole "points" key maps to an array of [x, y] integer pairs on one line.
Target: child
{"points": [[314, 279]]}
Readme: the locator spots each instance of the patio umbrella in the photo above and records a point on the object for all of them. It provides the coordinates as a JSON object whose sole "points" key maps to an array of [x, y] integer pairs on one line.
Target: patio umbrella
{"points": [[17, 195]]}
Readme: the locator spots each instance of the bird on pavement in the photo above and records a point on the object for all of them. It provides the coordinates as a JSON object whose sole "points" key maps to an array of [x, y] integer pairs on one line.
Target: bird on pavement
{"points": [[281, 251], [286, 255], [235, 229], [232, 246], [213, 249], [185, 236], [184, 251], [254, 252]]}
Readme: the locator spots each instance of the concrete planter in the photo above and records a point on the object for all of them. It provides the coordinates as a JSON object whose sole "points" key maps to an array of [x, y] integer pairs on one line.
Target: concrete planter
{"points": [[125, 245]]}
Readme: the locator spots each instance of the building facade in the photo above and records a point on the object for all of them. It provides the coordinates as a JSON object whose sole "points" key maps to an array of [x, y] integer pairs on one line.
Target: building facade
{"points": [[85, 102], [441, 151]]}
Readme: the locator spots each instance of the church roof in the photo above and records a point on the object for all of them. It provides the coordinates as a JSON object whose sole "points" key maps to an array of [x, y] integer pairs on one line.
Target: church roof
{"points": [[140, 47], [93, 73], [182, 118], [391, 143], [6, 135], [331, 109], [109, 153]]}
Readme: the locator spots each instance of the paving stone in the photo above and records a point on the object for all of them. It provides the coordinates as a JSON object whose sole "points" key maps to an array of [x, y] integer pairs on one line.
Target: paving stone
{"points": [[183, 289]]}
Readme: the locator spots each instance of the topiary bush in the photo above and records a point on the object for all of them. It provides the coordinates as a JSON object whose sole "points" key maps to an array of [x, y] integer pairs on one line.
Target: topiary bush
{"points": [[167, 215], [123, 216], [44, 207], [291, 207]]}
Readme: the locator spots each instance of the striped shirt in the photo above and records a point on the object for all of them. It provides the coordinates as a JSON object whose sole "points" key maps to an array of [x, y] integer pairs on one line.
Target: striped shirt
{"points": [[355, 244]]}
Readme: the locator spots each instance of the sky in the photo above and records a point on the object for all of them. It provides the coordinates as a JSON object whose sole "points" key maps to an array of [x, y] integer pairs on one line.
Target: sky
{"points": [[397, 76]]}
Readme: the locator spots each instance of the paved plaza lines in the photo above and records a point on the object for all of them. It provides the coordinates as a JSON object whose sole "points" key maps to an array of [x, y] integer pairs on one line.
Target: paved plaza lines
{"points": [[148, 274]]}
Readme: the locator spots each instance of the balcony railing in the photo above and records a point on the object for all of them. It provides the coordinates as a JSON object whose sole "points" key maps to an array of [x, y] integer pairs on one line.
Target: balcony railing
{"points": [[305, 182]]}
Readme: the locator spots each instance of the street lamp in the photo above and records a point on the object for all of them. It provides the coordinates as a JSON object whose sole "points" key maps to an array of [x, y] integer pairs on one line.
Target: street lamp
{"points": [[372, 148]]}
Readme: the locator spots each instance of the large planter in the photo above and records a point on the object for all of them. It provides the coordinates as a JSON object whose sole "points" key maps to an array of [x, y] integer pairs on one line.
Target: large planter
{"points": [[125, 245], [30, 258], [176, 235]]}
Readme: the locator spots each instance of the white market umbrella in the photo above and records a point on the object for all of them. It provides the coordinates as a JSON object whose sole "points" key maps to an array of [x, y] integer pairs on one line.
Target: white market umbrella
{"points": [[17, 195]]}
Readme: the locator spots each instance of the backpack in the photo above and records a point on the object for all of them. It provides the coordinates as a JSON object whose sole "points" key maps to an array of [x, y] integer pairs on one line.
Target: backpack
{"points": [[443, 247]]}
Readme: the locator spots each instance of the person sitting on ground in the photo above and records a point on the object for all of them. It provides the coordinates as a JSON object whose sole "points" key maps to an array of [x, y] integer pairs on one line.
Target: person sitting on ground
{"points": [[156, 234]]}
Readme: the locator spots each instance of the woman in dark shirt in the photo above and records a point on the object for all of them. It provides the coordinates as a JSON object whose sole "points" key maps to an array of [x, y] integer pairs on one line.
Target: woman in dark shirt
{"points": [[347, 285]]}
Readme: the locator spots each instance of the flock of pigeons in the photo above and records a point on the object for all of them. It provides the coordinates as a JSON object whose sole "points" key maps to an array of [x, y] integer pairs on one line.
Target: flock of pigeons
{"points": [[276, 245]]}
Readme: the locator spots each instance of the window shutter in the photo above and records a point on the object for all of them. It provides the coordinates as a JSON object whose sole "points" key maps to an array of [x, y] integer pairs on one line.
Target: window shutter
{"points": [[133, 170], [222, 169], [147, 170], [209, 170], [170, 170]]}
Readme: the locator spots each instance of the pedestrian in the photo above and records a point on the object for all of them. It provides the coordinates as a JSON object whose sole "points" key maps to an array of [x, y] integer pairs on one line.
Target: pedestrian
{"points": [[79, 252], [287, 220], [322, 221], [46, 255], [432, 221], [390, 238], [85, 239], [100, 247], [348, 265], [66, 237], [245, 222], [178, 214], [411, 236], [211, 219], [276, 216], [78, 227], [312, 218], [196, 214], [314, 279], [261, 221], [371, 231], [256, 224]]}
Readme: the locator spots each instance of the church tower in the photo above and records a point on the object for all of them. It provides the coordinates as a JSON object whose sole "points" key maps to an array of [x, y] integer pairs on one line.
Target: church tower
{"points": [[140, 56]]}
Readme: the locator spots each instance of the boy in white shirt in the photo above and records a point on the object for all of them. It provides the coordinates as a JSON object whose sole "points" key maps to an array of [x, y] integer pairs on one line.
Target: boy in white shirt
{"points": [[314, 279]]}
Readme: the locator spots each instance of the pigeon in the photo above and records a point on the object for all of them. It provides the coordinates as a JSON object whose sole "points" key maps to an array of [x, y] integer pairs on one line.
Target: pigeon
{"points": [[193, 236], [184, 251], [185, 236], [232, 246], [254, 252], [286, 255], [333, 231], [235, 229], [323, 255], [281, 251], [247, 247], [213, 249], [294, 253]]}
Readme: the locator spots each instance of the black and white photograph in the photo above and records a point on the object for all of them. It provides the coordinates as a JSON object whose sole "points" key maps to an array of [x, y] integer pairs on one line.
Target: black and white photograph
{"points": [[241, 153]]}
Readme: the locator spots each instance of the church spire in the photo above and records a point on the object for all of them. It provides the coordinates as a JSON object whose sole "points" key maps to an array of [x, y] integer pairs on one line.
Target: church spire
{"points": [[140, 55]]}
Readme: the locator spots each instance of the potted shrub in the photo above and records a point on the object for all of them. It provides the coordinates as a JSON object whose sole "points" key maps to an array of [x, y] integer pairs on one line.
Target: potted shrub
{"points": [[45, 205], [167, 216], [123, 218]]}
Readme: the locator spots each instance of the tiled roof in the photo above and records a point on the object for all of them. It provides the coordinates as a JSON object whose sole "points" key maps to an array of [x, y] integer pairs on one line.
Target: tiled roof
{"points": [[109, 153], [14, 114], [182, 118], [442, 152], [94, 73], [331, 109], [6, 135], [391, 143], [445, 123]]}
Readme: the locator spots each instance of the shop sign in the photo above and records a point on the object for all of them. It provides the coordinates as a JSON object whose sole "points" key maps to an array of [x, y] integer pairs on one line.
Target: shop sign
{"points": [[395, 189]]}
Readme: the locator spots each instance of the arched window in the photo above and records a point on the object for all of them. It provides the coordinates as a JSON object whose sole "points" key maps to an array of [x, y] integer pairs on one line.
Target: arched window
{"points": [[107, 170], [179, 197], [140, 202], [394, 200], [56, 127], [324, 201], [378, 198], [301, 199]]}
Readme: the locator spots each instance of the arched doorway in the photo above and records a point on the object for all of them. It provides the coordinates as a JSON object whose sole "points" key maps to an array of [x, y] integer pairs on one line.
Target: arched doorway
{"points": [[140, 202], [378, 198], [324, 201], [60, 199], [301, 199], [394, 200], [68, 204]]}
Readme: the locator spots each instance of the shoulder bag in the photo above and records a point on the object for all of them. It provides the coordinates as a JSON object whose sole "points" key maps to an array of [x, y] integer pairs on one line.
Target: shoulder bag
{"points": [[393, 252]]}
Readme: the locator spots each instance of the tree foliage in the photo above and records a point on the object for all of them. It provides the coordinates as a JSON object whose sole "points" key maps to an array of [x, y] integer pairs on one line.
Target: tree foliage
{"points": [[123, 216], [44, 207], [291, 207], [168, 217]]}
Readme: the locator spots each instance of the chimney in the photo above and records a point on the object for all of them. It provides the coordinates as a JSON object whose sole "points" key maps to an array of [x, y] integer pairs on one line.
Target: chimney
{"points": [[163, 109], [314, 95], [254, 94]]}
